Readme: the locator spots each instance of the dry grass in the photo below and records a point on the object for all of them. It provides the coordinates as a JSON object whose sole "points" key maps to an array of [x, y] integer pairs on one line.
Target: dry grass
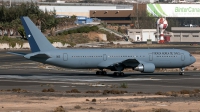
{"points": [[125, 110], [177, 93], [97, 91], [18, 90], [160, 93], [140, 92], [114, 92], [73, 91], [160, 110], [77, 107], [91, 108], [48, 90], [120, 110], [59, 109], [94, 100], [123, 85]]}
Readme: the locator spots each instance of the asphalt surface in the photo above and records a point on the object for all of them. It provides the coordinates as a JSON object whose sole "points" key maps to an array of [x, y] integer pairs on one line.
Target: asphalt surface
{"points": [[17, 72]]}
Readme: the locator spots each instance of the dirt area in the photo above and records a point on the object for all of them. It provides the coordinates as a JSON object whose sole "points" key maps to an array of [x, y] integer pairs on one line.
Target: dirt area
{"points": [[76, 102], [95, 36], [196, 64]]}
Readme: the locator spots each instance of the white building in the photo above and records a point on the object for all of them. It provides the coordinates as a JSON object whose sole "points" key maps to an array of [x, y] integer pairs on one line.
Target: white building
{"points": [[82, 10], [141, 34]]}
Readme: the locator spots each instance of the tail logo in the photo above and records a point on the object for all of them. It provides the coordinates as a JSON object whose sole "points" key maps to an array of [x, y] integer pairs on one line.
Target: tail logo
{"points": [[29, 36]]}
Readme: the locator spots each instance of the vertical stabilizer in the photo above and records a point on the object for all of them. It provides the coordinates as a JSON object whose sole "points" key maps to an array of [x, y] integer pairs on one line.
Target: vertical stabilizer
{"points": [[38, 42]]}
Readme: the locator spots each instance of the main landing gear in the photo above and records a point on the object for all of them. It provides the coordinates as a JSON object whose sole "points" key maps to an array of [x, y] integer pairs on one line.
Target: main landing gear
{"points": [[101, 72], [105, 73], [118, 74], [182, 71]]}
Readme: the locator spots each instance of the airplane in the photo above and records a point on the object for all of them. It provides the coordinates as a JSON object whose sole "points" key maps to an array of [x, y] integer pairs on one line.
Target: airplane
{"points": [[143, 60]]}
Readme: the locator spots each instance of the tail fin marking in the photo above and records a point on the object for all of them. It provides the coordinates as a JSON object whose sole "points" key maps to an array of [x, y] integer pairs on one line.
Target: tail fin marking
{"points": [[38, 42]]}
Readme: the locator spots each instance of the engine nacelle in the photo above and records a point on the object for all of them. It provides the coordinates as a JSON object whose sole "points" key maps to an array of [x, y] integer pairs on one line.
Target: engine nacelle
{"points": [[145, 68]]}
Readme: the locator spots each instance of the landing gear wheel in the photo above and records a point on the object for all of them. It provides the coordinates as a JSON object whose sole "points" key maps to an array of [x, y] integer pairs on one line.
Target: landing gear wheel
{"points": [[104, 73], [101, 72], [118, 74], [121, 74], [98, 73], [182, 71]]}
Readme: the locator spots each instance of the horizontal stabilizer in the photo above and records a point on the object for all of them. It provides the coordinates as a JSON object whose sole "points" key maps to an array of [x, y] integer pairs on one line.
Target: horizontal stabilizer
{"points": [[17, 53]]}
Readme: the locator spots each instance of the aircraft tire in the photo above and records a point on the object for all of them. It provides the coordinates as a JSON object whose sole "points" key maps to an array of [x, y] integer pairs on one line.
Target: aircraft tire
{"points": [[104, 73], [117, 74], [121, 73], [97, 72], [181, 73]]}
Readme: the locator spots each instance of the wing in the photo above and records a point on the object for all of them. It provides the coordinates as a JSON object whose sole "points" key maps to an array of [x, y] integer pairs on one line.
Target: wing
{"points": [[41, 56], [119, 65]]}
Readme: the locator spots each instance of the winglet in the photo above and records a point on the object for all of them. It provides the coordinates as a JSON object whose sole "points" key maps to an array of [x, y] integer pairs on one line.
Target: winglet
{"points": [[38, 42]]}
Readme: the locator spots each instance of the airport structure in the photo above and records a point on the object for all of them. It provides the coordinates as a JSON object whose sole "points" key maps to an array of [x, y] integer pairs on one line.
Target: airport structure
{"points": [[113, 13], [82, 10], [185, 34], [140, 35], [187, 14]]}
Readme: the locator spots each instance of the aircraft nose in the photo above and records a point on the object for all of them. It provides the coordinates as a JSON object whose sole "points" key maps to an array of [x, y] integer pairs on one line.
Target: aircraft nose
{"points": [[193, 59]]}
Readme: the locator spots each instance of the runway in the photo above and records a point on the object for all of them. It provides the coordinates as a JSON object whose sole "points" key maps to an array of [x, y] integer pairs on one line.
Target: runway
{"points": [[17, 72], [83, 80]]}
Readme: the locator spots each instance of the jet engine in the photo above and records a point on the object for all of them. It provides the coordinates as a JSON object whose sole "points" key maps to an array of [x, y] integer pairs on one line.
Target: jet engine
{"points": [[145, 68]]}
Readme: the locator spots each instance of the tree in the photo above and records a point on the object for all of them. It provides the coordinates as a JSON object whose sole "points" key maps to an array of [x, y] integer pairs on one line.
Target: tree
{"points": [[22, 32]]}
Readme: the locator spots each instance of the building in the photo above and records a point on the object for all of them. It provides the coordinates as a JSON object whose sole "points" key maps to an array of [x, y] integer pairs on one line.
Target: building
{"points": [[185, 34], [122, 15], [79, 9], [139, 35], [186, 13]]}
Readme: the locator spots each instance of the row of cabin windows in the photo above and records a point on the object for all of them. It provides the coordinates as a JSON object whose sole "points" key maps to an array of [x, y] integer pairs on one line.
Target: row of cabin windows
{"points": [[86, 56], [166, 56], [115, 56], [124, 56], [102, 56]]}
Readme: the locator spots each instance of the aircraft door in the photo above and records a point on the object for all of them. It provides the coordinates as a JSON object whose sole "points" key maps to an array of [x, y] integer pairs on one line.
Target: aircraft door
{"points": [[182, 57], [65, 57], [104, 57], [150, 57]]}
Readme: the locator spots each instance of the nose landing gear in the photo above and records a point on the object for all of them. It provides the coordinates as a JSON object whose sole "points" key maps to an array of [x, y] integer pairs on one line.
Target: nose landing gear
{"points": [[182, 71]]}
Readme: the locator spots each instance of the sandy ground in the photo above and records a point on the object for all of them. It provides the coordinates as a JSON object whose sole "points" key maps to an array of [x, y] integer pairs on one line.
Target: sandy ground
{"points": [[20, 102], [197, 63]]}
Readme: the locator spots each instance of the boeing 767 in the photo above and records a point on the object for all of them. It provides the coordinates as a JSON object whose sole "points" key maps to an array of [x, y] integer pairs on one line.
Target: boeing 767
{"points": [[143, 60]]}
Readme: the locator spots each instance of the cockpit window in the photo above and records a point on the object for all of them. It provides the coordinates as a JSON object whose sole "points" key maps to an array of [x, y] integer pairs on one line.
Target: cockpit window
{"points": [[190, 55]]}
